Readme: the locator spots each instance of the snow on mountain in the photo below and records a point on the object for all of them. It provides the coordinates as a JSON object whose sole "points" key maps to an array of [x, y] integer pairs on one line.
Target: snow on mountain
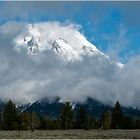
{"points": [[62, 48], [71, 46], [53, 108]]}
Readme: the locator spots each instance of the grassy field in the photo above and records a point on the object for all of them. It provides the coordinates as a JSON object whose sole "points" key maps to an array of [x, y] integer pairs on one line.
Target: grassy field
{"points": [[69, 134]]}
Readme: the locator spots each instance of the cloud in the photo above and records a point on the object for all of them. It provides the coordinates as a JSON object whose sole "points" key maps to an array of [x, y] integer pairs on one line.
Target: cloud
{"points": [[26, 78]]}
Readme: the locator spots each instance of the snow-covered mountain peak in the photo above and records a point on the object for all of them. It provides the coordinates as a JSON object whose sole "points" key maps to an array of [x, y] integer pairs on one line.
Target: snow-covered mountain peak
{"points": [[63, 40], [33, 30], [66, 42], [62, 48]]}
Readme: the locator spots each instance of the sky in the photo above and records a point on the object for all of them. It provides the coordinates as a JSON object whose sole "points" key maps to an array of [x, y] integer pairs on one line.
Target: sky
{"points": [[113, 27], [103, 23]]}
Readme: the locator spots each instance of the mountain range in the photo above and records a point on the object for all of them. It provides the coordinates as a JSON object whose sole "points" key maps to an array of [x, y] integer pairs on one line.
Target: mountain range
{"points": [[52, 108]]}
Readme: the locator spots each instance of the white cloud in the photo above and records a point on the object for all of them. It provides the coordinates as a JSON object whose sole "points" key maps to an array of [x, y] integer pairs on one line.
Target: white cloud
{"points": [[30, 77]]}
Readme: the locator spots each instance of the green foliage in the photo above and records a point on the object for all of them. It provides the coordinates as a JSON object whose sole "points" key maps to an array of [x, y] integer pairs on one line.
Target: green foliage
{"points": [[129, 122], [10, 119], [82, 119], [67, 117], [49, 124], [1, 121], [92, 123], [106, 120], [137, 124], [24, 121], [43, 125], [34, 121], [117, 117], [10, 116]]}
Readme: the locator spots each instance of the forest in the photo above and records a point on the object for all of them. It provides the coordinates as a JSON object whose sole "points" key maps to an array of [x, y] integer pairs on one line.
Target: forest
{"points": [[12, 119]]}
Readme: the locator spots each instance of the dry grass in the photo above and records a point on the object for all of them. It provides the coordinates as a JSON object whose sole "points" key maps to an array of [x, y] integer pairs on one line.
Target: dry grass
{"points": [[71, 134]]}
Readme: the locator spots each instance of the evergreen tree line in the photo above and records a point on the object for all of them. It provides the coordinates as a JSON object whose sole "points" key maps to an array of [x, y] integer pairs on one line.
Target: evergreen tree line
{"points": [[11, 119]]}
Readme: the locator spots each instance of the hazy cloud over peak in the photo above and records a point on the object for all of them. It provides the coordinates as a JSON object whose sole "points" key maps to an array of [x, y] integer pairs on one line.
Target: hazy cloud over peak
{"points": [[26, 78]]}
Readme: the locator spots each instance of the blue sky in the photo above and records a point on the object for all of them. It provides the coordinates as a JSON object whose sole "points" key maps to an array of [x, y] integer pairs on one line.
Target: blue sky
{"points": [[114, 27]]}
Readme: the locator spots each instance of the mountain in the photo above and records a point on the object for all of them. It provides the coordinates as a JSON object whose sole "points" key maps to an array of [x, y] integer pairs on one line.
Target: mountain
{"points": [[36, 39], [43, 107], [53, 108], [2, 104], [69, 44]]}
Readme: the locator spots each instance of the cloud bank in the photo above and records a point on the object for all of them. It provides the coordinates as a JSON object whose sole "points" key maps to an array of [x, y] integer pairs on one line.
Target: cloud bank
{"points": [[26, 77]]}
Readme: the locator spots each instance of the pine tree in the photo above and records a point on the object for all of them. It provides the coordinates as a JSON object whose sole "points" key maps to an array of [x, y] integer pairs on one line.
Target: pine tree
{"points": [[82, 118], [52, 124], [67, 117], [10, 116], [106, 120], [129, 122], [24, 121], [92, 124], [43, 124], [34, 121], [117, 117], [137, 124], [1, 121]]}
